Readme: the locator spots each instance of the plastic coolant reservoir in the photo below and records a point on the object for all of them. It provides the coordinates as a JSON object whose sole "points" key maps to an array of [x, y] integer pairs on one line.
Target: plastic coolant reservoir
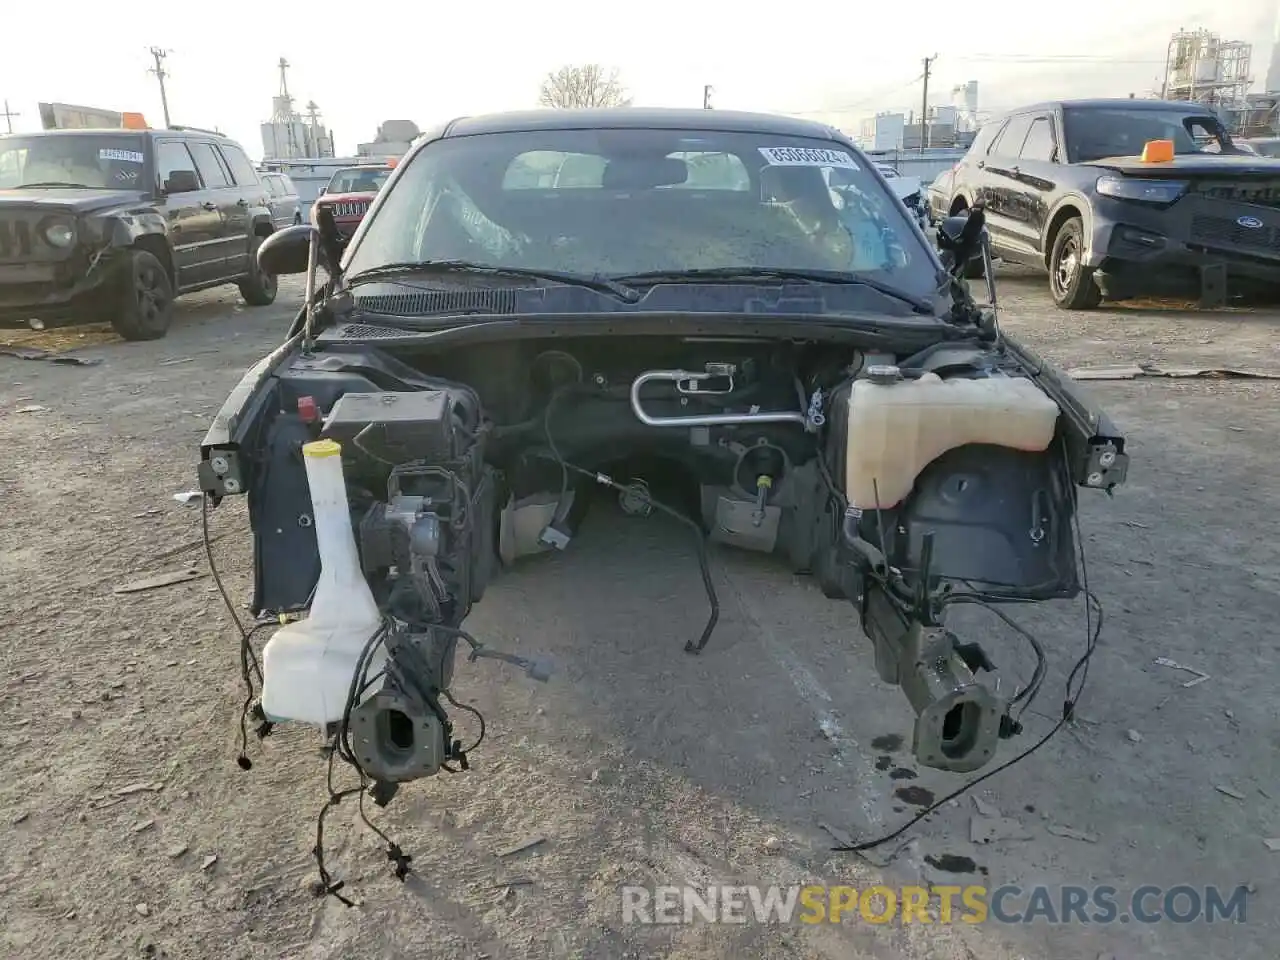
{"points": [[308, 664], [897, 429]]}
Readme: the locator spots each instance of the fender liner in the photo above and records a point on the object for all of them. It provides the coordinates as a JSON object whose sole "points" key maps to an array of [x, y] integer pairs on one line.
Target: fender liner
{"points": [[1085, 211]]}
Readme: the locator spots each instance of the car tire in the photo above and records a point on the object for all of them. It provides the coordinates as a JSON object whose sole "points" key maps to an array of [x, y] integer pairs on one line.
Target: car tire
{"points": [[1070, 283], [258, 289], [145, 308]]}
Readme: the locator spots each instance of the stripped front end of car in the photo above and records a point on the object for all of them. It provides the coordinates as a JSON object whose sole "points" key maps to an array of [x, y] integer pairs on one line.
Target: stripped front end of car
{"points": [[908, 464]]}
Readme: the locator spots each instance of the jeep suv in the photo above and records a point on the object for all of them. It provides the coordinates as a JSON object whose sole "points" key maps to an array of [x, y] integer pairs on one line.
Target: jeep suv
{"points": [[113, 224]]}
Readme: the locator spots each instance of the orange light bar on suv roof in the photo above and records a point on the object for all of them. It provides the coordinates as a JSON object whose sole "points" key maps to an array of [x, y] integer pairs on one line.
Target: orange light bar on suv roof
{"points": [[1157, 151]]}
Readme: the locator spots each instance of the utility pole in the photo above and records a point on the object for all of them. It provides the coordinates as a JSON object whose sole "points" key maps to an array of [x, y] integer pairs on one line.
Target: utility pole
{"points": [[158, 55], [706, 97], [924, 103], [9, 115]]}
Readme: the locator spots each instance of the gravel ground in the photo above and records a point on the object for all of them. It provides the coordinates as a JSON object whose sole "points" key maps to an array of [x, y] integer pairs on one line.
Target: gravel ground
{"points": [[128, 829]]}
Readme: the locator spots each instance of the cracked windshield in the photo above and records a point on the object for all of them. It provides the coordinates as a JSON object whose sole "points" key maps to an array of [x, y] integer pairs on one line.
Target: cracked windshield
{"points": [[624, 202]]}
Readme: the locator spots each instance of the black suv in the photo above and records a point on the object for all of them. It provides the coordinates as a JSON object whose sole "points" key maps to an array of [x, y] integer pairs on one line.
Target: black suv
{"points": [[112, 224], [1066, 187]]}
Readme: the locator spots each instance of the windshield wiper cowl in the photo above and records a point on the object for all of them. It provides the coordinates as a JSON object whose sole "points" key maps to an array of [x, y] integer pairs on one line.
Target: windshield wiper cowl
{"points": [[597, 282], [779, 275]]}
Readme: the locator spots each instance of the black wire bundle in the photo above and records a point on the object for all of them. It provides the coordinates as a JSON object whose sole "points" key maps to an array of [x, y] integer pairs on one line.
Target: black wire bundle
{"points": [[704, 563]]}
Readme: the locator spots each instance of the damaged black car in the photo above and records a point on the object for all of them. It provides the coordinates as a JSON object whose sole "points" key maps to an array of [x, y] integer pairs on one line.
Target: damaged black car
{"points": [[538, 305]]}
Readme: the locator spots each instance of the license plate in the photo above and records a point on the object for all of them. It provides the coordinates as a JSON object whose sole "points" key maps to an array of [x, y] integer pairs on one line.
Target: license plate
{"points": [[26, 273]]}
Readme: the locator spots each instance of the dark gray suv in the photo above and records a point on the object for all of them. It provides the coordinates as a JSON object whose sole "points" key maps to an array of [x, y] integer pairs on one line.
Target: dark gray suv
{"points": [[1067, 188]]}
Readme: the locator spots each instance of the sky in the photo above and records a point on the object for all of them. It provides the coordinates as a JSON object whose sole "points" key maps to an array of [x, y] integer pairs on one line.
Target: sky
{"points": [[431, 62]]}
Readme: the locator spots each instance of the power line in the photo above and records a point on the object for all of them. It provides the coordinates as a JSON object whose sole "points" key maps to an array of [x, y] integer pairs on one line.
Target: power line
{"points": [[878, 95], [159, 55], [1051, 58]]}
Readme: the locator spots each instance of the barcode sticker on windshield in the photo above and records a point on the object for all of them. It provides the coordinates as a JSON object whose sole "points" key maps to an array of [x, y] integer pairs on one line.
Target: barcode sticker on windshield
{"points": [[129, 156], [807, 157]]}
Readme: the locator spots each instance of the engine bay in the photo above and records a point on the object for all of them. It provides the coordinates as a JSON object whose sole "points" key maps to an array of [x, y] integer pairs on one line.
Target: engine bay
{"points": [[902, 483]]}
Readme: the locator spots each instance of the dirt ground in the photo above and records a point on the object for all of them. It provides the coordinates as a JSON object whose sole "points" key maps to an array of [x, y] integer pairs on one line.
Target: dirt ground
{"points": [[128, 830]]}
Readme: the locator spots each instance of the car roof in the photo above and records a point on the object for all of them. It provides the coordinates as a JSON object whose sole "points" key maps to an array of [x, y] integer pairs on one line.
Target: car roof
{"points": [[86, 131], [637, 118], [1103, 103]]}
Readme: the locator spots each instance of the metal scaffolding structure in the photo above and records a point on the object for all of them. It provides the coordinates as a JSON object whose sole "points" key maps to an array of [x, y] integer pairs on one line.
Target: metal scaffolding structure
{"points": [[1202, 67]]}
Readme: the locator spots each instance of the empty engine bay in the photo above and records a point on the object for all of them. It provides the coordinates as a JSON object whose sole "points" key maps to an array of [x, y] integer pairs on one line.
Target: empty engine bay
{"points": [[462, 458]]}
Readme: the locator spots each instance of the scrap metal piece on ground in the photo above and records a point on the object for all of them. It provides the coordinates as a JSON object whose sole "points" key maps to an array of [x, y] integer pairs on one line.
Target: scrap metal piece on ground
{"points": [[990, 829], [1138, 370], [1071, 833], [1200, 677], [35, 353], [526, 844], [159, 580]]}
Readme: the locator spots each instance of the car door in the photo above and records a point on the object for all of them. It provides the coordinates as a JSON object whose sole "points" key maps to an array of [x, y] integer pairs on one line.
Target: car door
{"points": [[290, 200], [224, 195], [1036, 172], [999, 179], [272, 185], [252, 203], [192, 214], [967, 178]]}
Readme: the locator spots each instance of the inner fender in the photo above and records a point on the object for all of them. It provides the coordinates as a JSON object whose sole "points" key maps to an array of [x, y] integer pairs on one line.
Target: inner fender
{"points": [[1001, 519]]}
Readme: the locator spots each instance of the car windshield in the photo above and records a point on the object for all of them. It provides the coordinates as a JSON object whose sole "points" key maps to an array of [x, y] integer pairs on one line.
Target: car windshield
{"points": [[357, 180], [621, 202], [114, 162], [1094, 134]]}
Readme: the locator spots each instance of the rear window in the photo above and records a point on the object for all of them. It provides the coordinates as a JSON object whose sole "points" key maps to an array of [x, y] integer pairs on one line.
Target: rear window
{"points": [[555, 170]]}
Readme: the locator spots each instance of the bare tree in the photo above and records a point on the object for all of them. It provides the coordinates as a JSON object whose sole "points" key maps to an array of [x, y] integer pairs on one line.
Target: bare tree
{"points": [[590, 85]]}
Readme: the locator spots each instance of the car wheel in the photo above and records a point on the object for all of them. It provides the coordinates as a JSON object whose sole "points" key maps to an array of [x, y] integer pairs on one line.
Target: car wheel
{"points": [[1070, 282], [146, 299], [258, 289]]}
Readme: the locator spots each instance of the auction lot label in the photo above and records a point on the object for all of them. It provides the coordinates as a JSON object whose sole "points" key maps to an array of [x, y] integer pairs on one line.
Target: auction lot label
{"points": [[807, 157], [128, 156]]}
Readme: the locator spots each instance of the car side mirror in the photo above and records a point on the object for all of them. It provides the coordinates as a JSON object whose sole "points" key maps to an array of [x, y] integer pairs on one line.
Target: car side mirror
{"points": [[182, 181], [321, 193], [287, 251], [962, 238]]}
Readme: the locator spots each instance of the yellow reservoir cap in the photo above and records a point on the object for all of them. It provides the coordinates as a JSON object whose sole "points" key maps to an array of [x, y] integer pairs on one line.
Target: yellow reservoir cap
{"points": [[1157, 151], [322, 448]]}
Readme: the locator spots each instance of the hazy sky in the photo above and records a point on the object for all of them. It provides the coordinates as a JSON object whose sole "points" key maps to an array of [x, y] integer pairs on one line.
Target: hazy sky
{"points": [[428, 62]]}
